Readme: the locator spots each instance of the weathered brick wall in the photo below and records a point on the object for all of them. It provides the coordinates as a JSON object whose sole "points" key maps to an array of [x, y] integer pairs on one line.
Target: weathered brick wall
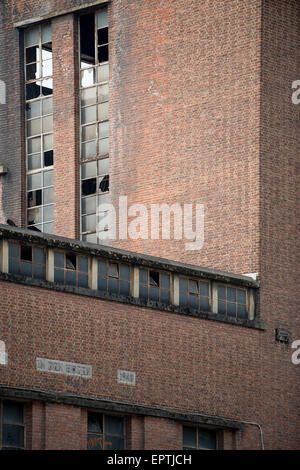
{"points": [[184, 115], [185, 92], [66, 129], [162, 434], [180, 362], [200, 111], [279, 206]]}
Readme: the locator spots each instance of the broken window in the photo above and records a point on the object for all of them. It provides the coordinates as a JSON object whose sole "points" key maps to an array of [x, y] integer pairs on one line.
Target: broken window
{"points": [[232, 301], [26, 260], [70, 269], [39, 127], [194, 294], [12, 432], [105, 432], [94, 84], [155, 286], [194, 437], [94, 94], [94, 193], [114, 278]]}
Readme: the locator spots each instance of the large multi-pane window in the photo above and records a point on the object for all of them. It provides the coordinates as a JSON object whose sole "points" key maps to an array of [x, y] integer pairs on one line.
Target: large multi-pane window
{"points": [[105, 432], [12, 430], [94, 74], [39, 127], [197, 438]]}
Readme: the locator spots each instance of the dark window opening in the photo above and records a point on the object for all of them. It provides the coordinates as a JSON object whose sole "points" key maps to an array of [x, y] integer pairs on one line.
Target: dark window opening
{"points": [[102, 54], [70, 261], [35, 198], [88, 186], [154, 278], [102, 36], [104, 184], [87, 39], [48, 158], [26, 253]]}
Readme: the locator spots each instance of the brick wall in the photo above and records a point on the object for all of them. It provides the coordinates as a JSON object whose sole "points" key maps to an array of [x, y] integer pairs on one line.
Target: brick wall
{"points": [[66, 130], [279, 203], [200, 111]]}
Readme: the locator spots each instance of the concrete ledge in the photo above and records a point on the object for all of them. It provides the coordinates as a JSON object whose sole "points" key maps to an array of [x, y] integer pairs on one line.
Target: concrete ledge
{"points": [[117, 406]]}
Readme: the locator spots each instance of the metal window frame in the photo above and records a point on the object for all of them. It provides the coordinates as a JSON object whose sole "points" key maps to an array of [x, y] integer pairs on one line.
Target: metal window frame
{"points": [[104, 415], [15, 424], [236, 303], [39, 99], [198, 295], [33, 263], [148, 285], [65, 269], [97, 122], [197, 427], [107, 277]]}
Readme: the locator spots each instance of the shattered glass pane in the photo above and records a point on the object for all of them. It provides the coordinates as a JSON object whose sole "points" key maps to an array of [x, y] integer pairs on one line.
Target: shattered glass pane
{"points": [[104, 184]]}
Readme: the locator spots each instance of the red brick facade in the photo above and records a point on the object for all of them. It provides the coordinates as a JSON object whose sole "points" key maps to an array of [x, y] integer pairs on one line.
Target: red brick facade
{"points": [[200, 111]]}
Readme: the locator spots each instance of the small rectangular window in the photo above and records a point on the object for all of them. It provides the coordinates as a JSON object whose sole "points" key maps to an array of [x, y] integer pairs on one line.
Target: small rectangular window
{"points": [[26, 260], [232, 301], [194, 294], [71, 269], [154, 286], [198, 438], [105, 432], [12, 425], [114, 278]]}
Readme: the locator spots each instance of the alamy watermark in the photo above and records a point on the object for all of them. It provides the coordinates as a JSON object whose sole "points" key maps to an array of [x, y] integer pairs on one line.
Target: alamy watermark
{"points": [[296, 93], [2, 92], [138, 221], [296, 354]]}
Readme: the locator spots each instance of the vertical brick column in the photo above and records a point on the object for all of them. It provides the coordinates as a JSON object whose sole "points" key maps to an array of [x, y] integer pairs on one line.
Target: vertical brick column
{"points": [[164, 434], [65, 119], [35, 426], [63, 426], [135, 433]]}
